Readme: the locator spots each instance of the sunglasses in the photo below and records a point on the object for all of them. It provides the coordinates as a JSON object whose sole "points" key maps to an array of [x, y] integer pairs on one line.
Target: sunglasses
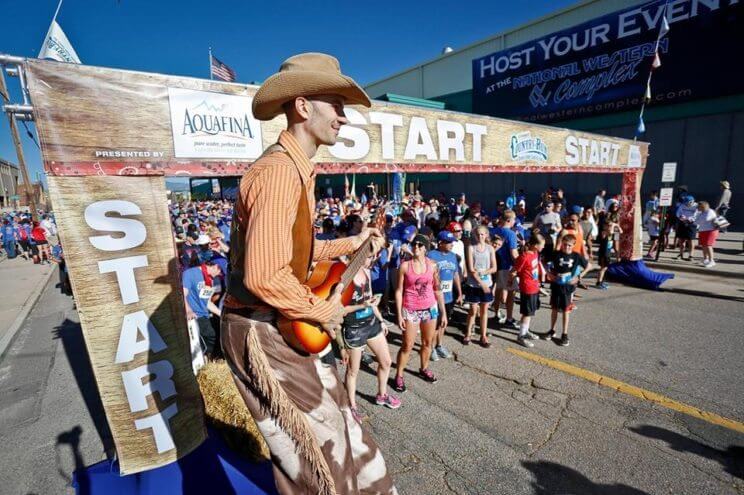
{"points": [[418, 244], [457, 231]]}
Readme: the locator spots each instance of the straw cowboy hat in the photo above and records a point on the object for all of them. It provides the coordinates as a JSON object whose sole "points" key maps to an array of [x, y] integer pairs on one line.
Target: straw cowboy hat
{"points": [[306, 74]]}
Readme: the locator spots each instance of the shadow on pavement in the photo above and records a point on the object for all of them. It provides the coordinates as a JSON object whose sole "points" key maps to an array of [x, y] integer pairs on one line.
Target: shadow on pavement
{"points": [[72, 438], [77, 355], [731, 459], [552, 478], [702, 293]]}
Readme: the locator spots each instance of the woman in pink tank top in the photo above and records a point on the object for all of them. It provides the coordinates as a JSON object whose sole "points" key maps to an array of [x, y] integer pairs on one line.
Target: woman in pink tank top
{"points": [[419, 301]]}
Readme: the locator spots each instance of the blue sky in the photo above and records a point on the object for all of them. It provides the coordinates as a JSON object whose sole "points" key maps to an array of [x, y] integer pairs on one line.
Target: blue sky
{"points": [[371, 39]]}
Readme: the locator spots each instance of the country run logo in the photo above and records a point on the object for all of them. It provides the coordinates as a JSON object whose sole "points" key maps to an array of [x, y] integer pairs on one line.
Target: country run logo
{"points": [[525, 147]]}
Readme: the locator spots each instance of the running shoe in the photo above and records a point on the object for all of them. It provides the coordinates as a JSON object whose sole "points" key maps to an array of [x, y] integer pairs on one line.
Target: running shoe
{"points": [[434, 355], [355, 414], [443, 352], [388, 400], [511, 324], [525, 342], [563, 342], [531, 336], [547, 336], [399, 385], [704, 262], [602, 286], [711, 264], [427, 375]]}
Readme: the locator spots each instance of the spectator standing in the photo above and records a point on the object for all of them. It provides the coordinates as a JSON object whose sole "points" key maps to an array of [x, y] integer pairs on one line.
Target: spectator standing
{"points": [[686, 228], [707, 232], [724, 200], [599, 201]]}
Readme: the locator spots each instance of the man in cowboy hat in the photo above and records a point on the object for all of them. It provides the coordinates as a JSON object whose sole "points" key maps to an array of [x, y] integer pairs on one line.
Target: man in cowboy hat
{"points": [[298, 403]]}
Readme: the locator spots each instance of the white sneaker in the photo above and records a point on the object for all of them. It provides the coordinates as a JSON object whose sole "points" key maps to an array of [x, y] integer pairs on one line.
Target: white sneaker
{"points": [[711, 264], [705, 262]]}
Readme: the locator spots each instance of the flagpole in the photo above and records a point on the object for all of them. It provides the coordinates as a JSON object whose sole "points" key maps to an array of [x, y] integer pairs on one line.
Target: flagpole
{"points": [[210, 63], [59, 6]]}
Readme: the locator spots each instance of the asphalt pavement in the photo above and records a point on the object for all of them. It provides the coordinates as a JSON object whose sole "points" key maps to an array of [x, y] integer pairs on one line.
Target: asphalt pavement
{"points": [[494, 423]]}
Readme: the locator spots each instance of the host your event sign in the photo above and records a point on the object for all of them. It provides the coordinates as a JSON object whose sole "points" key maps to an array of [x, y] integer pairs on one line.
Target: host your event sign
{"points": [[108, 137], [602, 65]]}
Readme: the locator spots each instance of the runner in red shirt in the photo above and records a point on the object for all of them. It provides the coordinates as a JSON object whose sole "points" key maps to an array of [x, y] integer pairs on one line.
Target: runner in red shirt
{"points": [[529, 270]]}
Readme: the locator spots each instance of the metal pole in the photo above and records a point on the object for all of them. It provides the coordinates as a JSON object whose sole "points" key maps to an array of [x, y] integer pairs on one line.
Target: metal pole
{"points": [[18, 146]]}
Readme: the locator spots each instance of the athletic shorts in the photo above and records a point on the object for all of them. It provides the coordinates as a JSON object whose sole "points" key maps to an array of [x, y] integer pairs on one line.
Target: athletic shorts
{"points": [[529, 304], [357, 337], [42, 243], [652, 238], [708, 237], [420, 315], [475, 295], [561, 296], [502, 280]]}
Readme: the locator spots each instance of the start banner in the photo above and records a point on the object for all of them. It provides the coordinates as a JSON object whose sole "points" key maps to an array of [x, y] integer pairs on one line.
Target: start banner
{"points": [[99, 121]]}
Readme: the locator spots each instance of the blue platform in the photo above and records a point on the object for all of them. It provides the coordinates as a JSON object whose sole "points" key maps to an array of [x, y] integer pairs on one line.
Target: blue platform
{"points": [[637, 274], [211, 468]]}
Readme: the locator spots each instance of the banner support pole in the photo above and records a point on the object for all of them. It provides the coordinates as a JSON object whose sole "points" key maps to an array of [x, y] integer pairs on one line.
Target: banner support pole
{"points": [[18, 146]]}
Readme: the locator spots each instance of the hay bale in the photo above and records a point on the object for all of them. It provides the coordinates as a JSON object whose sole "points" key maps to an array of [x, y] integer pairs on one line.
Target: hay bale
{"points": [[227, 413]]}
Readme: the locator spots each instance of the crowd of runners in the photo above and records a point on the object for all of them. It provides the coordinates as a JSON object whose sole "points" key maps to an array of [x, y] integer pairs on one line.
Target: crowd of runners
{"points": [[441, 254]]}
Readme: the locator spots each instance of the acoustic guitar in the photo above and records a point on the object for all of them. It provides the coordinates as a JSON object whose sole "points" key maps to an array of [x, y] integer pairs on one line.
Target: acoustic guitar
{"points": [[308, 336]]}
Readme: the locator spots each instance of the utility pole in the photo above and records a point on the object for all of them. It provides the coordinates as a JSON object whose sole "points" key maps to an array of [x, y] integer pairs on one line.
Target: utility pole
{"points": [[17, 143]]}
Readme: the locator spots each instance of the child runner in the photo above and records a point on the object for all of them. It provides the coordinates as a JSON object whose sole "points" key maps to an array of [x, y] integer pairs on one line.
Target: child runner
{"points": [[419, 301], [567, 269], [363, 325], [449, 275], [481, 264], [652, 225], [506, 254], [529, 270]]}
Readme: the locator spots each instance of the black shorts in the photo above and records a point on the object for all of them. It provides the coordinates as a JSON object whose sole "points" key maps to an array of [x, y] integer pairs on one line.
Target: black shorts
{"points": [[356, 337], [528, 304], [561, 296], [24, 245], [42, 243], [475, 295], [653, 237], [685, 231]]}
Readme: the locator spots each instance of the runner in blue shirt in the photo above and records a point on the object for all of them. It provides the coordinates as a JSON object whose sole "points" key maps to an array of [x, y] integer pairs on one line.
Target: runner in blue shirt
{"points": [[449, 275], [505, 257], [9, 239], [199, 290]]}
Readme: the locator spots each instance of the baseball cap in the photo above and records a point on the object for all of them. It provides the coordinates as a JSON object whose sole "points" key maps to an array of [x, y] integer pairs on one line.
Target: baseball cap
{"points": [[577, 209], [446, 236], [409, 231]]}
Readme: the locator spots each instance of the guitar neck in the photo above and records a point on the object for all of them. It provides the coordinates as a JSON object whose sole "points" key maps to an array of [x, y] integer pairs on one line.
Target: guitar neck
{"points": [[356, 263]]}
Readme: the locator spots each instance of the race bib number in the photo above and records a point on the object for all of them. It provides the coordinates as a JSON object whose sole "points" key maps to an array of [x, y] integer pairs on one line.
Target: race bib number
{"points": [[206, 292], [446, 285]]}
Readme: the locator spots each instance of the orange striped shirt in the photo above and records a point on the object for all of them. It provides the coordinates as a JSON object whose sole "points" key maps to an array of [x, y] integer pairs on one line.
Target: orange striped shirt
{"points": [[266, 209]]}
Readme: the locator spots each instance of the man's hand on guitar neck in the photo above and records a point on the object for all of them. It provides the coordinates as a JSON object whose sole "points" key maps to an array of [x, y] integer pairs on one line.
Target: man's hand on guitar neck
{"points": [[334, 323], [378, 240]]}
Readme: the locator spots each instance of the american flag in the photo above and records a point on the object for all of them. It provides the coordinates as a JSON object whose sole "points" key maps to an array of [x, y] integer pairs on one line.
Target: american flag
{"points": [[222, 71]]}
